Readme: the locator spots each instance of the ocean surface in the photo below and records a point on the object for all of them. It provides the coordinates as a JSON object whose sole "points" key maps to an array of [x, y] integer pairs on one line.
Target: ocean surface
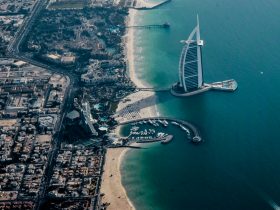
{"points": [[238, 165]]}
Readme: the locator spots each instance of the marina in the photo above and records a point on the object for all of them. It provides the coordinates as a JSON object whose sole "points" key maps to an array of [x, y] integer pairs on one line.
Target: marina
{"points": [[164, 139], [153, 130]]}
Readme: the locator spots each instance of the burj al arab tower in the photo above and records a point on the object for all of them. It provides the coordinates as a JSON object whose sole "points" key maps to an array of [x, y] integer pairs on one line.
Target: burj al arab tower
{"points": [[191, 80]]}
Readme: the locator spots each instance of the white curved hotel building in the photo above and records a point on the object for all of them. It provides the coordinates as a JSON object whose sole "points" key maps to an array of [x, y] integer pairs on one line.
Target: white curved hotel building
{"points": [[190, 65], [191, 70]]}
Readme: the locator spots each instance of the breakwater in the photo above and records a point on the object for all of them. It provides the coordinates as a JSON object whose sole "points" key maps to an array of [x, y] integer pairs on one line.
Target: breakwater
{"points": [[150, 7]]}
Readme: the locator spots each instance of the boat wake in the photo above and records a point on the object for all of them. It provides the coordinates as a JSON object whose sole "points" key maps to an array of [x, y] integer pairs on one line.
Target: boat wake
{"points": [[273, 205], [269, 200]]}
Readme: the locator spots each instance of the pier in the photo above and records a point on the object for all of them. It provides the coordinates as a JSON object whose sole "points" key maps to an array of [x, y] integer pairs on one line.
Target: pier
{"points": [[152, 26], [227, 85], [163, 140], [147, 140], [132, 147], [153, 89]]}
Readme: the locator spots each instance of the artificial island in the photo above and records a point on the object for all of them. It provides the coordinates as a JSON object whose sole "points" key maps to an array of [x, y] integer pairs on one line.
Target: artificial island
{"points": [[191, 81]]}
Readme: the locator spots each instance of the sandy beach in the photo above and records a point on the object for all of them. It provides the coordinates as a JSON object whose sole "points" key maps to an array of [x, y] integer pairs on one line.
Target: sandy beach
{"points": [[129, 39], [111, 185], [142, 103], [135, 106]]}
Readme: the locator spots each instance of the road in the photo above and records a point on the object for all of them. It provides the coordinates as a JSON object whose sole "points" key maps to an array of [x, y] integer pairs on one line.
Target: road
{"points": [[68, 100], [27, 24], [14, 52]]}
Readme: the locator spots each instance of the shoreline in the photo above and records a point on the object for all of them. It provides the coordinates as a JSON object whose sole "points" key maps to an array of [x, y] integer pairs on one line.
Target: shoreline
{"points": [[111, 184], [129, 42], [139, 104]]}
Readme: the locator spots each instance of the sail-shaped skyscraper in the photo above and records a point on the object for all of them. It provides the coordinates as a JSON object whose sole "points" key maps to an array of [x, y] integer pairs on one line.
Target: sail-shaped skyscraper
{"points": [[190, 66], [191, 69]]}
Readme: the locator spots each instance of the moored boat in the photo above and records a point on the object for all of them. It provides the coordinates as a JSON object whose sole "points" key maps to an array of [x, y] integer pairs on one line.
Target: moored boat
{"points": [[167, 139]]}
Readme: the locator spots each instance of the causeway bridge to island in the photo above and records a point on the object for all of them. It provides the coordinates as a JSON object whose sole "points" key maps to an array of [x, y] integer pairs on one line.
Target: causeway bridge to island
{"points": [[227, 85], [193, 129], [154, 89]]}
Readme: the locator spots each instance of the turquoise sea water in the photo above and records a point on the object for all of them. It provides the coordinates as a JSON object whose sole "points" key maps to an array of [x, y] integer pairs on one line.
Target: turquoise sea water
{"points": [[238, 165]]}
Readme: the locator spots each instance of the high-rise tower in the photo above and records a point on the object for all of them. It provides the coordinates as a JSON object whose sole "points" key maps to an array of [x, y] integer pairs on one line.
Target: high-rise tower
{"points": [[190, 66], [191, 70]]}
